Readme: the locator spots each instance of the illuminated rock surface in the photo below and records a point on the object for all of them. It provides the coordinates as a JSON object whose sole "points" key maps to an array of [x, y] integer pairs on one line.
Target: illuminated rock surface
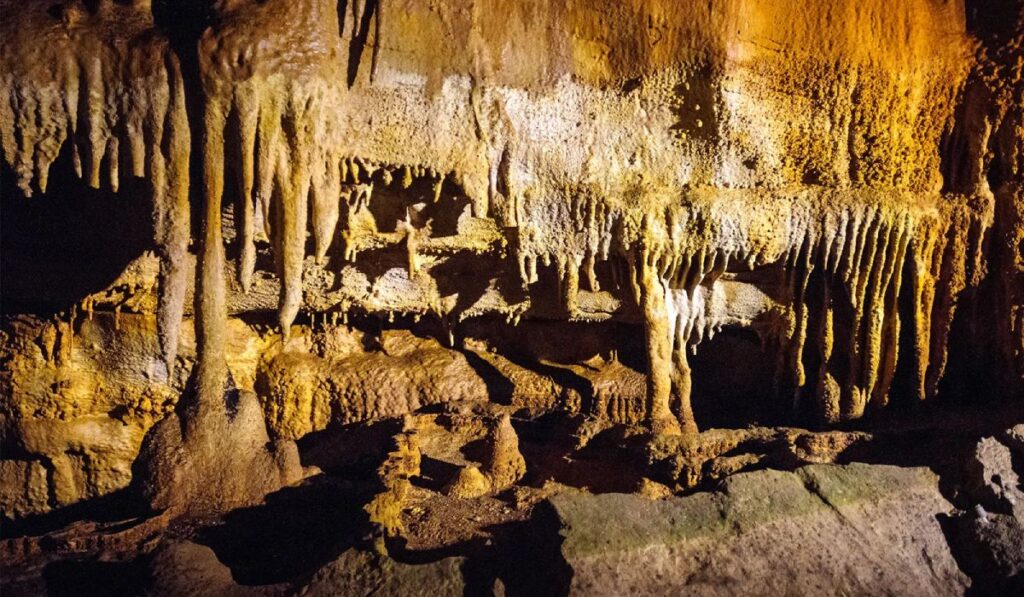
{"points": [[446, 261]]}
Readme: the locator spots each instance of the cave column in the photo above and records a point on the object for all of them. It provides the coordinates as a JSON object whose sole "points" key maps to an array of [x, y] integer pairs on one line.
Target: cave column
{"points": [[658, 342], [681, 388], [211, 311]]}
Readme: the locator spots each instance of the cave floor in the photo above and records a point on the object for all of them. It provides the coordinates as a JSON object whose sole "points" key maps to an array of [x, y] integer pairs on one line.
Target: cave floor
{"points": [[107, 546]]}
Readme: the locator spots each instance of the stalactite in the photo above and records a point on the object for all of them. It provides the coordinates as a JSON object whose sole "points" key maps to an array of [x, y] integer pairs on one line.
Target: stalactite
{"points": [[569, 275], [438, 185], [326, 190], [667, 243], [172, 219], [683, 307], [858, 253], [105, 89], [923, 297], [291, 209], [247, 113]]}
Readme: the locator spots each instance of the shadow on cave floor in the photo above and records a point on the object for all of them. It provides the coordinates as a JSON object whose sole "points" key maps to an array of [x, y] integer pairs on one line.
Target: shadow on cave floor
{"points": [[606, 464], [113, 509], [299, 529], [73, 578], [939, 436], [499, 387], [511, 555], [295, 532]]}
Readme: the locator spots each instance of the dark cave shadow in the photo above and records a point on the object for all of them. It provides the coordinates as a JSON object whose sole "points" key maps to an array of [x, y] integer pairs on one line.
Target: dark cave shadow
{"points": [[348, 450], [607, 464], [562, 376], [948, 524], [74, 578], [526, 562], [70, 242], [121, 505], [466, 277], [475, 450], [373, 263], [954, 529], [300, 528], [295, 532], [342, 8], [526, 558], [729, 374], [942, 442], [477, 572], [918, 449], [510, 287], [435, 474], [499, 388], [398, 551], [360, 35]]}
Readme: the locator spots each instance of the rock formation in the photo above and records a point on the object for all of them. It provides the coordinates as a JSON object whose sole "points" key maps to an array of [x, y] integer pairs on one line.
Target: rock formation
{"points": [[234, 228], [503, 464], [106, 84]]}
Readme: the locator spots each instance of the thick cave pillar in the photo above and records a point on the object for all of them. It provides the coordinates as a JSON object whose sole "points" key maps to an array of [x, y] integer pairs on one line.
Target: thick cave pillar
{"points": [[668, 377], [211, 312], [216, 454]]}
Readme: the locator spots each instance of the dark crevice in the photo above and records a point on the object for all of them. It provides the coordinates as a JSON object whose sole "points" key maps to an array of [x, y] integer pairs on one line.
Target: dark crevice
{"points": [[360, 35]]}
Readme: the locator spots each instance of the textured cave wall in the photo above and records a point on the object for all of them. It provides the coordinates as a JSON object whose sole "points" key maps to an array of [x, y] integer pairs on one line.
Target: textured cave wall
{"points": [[637, 173], [987, 147], [435, 198]]}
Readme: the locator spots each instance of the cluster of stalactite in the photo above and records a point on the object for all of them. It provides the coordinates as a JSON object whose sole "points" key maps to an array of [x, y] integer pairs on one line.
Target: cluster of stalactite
{"points": [[997, 87], [99, 84], [838, 343], [869, 259], [855, 272], [858, 267]]}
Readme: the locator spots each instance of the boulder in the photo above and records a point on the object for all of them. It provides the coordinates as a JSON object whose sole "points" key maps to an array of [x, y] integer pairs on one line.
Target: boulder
{"points": [[357, 573], [990, 479], [824, 529]]}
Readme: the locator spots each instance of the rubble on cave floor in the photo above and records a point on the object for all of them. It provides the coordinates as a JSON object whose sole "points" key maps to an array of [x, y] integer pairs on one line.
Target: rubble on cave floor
{"points": [[588, 503]]}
